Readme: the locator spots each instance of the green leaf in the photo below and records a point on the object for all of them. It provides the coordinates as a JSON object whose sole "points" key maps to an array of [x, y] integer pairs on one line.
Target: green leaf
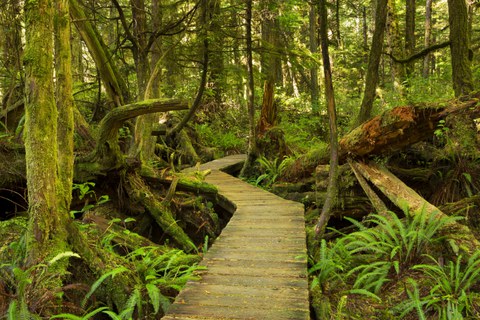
{"points": [[100, 280]]}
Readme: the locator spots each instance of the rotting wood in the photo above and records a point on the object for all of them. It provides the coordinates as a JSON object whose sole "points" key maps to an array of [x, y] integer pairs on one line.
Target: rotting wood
{"points": [[377, 203], [404, 126], [407, 198]]}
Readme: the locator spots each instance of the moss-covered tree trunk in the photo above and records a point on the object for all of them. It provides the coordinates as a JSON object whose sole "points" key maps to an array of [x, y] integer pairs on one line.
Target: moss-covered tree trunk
{"points": [[46, 228], [65, 105]]}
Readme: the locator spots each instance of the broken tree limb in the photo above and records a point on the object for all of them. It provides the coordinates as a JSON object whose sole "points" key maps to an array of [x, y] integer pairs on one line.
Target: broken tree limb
{"points": [[406, 198], [402, 126]]}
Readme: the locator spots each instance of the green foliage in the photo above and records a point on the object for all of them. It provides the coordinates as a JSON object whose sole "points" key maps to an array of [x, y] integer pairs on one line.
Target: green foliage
{"points": [[272, 170], [451, 296], [160, 272], [86, 192], [215, 136], [100, 280], [392, 245], [26, 281], [330, 266]]}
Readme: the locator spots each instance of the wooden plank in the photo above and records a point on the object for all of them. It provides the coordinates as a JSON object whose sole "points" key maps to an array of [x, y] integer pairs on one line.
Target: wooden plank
{"points": [[257, 268]]}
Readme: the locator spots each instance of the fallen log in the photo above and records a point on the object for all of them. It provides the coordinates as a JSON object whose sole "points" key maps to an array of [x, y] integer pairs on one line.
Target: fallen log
{"points": [[403, 126], [407, 199]]}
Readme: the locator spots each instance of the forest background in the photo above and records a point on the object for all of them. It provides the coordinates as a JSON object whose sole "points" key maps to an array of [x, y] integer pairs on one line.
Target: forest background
{"points": [[92, 96]]}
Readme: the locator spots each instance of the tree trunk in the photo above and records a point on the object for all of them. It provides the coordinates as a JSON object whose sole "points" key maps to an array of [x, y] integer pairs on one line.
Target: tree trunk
{"points": [[314, 87], [270, 64], [403, 126], [65, 106], [371, 80], [460, 47], [428, 35], [413, 204], [394, 42], [410, 34], [252, 145], [332, 189], [46, 233]]}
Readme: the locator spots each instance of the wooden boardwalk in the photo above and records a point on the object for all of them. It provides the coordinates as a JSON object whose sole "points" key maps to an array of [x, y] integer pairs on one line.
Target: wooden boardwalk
{"points": [[257, 267]]}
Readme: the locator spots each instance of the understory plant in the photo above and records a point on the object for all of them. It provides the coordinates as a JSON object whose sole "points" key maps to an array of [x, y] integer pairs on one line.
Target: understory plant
{"points": [[385, 248], [391, 245], [272, 169], [451, 294]]}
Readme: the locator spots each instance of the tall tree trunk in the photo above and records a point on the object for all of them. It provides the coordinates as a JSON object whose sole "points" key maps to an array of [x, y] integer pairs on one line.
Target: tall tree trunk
{"points": [[46, 233], [11, 89], [460, 47], [410, 34], [252, 148], [144, 145], [394, 41], [428, 35], [65, 106], [332, 188], [371, 80], [216, 53], [313, 43], [270, 64]]}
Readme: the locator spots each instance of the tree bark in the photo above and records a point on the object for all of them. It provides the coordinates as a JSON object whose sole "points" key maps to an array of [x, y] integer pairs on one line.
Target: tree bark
{"points": [[371, 80], [403, 126], [428, 36], [252, 144], [460, 47], [107, 151], [410, 34], [314, 86], [46, 233], [65, 104]]}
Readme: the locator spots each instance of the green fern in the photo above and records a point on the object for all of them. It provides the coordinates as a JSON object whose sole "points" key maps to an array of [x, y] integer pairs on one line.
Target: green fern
{"points": [[75, 317], [100, 280], [272, 170], [452, 284], [330, 266]]}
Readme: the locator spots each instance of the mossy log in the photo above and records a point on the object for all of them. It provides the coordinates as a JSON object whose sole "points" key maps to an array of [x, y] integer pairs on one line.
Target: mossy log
{"points": [[403, 126], [140, 192], [406, 198]]}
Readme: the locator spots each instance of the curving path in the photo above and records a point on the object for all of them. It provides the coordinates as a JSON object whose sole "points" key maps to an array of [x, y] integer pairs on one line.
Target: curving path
{"points": [[257, 267]]}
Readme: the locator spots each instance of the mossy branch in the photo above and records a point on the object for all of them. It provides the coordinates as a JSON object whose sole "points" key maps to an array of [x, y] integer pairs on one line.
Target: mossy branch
{"points": [[107, 145], [420, 54]]}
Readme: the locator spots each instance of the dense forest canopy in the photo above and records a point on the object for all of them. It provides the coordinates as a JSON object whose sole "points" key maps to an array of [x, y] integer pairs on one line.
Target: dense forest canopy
{"points": [[350, 107]]}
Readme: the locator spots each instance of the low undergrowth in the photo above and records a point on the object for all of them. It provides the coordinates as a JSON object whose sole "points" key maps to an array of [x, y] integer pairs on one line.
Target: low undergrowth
{"points": [[395, 268]]}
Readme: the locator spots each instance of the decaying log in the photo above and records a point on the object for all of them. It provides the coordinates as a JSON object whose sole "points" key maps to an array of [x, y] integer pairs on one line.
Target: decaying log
{"points": [[377, 203], [402, 126], [406, 198]]}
